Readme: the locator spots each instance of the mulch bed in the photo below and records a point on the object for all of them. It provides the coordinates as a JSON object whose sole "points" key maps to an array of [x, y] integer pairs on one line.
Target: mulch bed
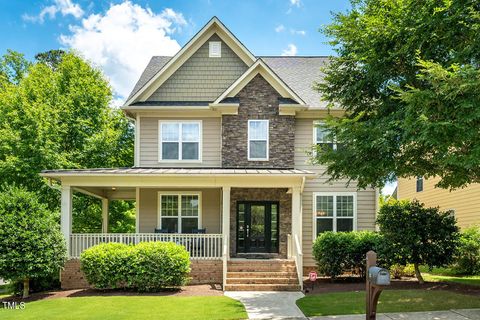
{"points": [[325, 285], [194, 290]]}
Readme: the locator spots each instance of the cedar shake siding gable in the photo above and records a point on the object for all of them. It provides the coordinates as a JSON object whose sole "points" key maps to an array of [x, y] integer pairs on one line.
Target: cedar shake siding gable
{"points": [[202, 78], [258, 100]]}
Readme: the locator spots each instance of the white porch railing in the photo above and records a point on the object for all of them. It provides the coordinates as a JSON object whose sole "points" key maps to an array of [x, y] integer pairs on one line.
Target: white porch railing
{"points": [[200, 246], [294, 250]]}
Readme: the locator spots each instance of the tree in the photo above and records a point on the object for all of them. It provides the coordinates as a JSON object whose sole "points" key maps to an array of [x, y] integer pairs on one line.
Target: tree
{"points": [[417, 235], [56, 113], [31, 244], [407, 74]]}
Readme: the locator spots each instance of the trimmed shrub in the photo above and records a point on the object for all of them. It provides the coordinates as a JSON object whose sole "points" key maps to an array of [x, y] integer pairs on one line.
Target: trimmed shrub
{"points": [[467, 259], [337, 253], [158, 265], [398, 271], [147, 266]]}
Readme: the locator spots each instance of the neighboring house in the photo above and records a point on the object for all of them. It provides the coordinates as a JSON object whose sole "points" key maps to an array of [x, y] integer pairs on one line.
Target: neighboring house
{"points": [[220, 147], [463, 203]]}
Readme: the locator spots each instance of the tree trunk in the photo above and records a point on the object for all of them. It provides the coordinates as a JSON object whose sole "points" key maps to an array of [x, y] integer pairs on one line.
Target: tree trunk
{"points": [[418, 274], [26, 287]]}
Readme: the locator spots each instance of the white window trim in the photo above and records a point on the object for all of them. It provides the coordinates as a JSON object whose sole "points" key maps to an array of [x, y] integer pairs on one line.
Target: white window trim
{"points": [[318, 122], [268, 140], [179, 194], [200, 142], [210, 52], [334, 194]]}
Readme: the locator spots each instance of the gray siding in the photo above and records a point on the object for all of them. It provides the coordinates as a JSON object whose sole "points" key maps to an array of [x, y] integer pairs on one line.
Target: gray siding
{"points": [[365, 198], [210, 209], [202, 78], [211, 143]]}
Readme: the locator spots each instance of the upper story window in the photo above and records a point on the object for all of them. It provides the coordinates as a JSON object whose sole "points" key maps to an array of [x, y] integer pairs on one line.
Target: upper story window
{"points": [[334, 212], [322, 136], [180, 141], [419, 184], [258, 140], [215, 49]]}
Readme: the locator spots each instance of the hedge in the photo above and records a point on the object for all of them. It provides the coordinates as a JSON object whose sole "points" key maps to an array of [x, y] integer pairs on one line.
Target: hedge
{"points": [[337, 253], [147, 266], [467, 258]]}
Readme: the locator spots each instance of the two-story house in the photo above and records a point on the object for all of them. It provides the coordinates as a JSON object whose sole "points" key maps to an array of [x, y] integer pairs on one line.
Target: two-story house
{"points": [[221, 166]]}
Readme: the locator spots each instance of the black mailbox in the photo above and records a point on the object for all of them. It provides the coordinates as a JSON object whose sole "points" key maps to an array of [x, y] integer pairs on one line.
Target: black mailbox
{"points": [[378, 276]]}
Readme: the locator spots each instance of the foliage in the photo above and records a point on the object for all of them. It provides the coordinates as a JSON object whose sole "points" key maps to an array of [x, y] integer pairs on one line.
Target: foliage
{"points": [[467, 259], [56, 113], [417, 235], [337, 253], [353, 302], [147, 266], [398, 271], [130, 307], [407, 73], [39, 284], [31, 244]]}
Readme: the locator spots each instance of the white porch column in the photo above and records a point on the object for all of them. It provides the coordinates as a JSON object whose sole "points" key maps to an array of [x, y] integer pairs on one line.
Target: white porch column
{"points": [[137, 210], [226, 214], [66, 215], [297, 213], [104, 215]]}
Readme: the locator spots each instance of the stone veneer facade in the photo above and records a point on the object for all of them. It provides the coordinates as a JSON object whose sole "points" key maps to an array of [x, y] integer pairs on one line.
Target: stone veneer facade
{"points": [[263, 194], [258, 100]]}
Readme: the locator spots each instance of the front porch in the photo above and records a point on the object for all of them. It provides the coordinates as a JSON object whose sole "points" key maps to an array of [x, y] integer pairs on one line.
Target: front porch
{"points": [[217, 215]]}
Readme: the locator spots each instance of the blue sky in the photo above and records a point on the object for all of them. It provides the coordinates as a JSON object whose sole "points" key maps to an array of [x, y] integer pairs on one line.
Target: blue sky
{"points": [[120, 36]]}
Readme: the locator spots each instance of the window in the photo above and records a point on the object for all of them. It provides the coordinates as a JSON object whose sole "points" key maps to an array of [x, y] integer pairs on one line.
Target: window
{"points": [[258, 140], [215, 49], [334, 212], [322, 136], [180, 141], [419, 184], [180, 212]]}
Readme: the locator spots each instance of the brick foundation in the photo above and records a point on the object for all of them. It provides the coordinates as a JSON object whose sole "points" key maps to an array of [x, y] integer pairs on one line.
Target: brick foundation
{"points": [[71, 277], [203, 272], [206, 271]]}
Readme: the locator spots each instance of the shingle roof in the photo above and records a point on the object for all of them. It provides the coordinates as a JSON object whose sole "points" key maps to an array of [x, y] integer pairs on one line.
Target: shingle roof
{"points": [[299, 73], [155, 64]]}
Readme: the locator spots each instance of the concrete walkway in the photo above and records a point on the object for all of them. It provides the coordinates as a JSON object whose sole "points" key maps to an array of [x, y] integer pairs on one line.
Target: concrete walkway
{"points": [[457, 314], [269, 305]]}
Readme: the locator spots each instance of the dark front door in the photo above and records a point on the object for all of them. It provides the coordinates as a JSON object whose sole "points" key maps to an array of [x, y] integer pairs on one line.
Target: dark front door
{"points": [[257, 227]]}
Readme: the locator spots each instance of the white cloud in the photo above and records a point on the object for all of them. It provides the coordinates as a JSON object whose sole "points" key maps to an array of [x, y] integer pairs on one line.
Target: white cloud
{"points": [[290, 51], [298, 32], [389, 188], [123, 40], [65, 7], [295, 3], [280, 28]]}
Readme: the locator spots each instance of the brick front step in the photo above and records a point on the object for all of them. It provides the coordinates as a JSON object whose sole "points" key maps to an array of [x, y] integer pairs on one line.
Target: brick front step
{"points": [[262, 287], [258, 280], [265, 274], [261, 275]]}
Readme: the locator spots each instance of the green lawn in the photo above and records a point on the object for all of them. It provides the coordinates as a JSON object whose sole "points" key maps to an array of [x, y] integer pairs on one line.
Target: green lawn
{"points": [[390, 301], [133, 307], [448, 275]]}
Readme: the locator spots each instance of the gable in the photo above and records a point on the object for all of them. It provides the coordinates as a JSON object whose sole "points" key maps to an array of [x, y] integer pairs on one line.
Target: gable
{"points": [[201, 78]]}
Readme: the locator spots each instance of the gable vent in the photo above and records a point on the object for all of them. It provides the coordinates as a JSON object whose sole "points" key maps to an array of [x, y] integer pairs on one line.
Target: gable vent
{"points": [[215, 49]]}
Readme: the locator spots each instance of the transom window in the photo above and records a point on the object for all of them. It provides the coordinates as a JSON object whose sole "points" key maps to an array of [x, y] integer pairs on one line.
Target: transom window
{"points": [[180, 213], [180, 141], [258, 140], [334, 212], [322, 136]]}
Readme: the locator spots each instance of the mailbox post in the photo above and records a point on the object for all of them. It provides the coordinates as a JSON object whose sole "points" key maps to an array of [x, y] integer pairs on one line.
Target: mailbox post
{"points": [[377, 279]]}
